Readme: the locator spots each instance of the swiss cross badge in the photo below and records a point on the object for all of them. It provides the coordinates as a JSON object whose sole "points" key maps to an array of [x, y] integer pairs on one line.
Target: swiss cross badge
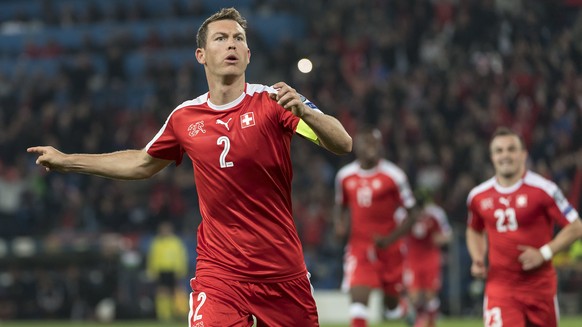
{"points": [[247, 120]]}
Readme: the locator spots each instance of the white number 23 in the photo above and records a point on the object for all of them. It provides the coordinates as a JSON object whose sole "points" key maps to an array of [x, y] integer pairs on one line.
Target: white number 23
{"points": [[506, 220]]}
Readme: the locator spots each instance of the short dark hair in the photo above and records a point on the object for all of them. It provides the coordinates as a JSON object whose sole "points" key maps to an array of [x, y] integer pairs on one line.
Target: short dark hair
{"points": [[370, 130], [506, 131], [223, 14]]}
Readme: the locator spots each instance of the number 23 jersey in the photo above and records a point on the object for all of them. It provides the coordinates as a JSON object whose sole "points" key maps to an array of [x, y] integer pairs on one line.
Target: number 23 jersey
{"points": [[241, 158], [522, 214]]}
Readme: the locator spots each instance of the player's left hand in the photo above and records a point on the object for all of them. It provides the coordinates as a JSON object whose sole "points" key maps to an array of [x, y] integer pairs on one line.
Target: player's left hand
{"points": [[288, 98], [530, 257]]}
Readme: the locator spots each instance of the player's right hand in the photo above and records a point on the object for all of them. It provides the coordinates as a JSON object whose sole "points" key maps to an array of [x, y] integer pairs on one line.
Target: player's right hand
{"points": [[478, 269], [49, 157]]}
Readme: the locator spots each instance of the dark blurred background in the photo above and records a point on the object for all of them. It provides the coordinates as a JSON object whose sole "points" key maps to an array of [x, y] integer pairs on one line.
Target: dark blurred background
{"points": [[435, 76]]}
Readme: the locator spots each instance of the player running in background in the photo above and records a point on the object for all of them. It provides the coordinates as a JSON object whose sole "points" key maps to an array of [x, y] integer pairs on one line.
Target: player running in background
{"points": [[423, 259], [511, 220], [238, 136], [369, 190]]}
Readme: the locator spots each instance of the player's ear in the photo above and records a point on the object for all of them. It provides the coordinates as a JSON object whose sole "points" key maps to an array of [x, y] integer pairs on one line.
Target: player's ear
{"points": [[249, 56], [200, 56]]}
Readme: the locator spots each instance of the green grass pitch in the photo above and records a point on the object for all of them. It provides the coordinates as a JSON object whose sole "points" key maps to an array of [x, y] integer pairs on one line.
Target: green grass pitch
{"points": [[570, 321]]}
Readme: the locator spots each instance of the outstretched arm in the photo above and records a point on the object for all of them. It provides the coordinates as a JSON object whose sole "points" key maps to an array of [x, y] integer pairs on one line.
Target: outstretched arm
{"points": [[127, 165], [330, 132]]}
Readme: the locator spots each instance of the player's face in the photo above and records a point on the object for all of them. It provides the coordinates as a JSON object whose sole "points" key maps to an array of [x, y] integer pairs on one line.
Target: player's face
{"points": [[368, 150], [508, 156], [226, 52]]}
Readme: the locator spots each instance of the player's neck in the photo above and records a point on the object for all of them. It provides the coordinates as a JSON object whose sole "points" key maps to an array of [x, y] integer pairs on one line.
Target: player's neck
{"points": [[369, 164], [507, 181], [223, 91]]}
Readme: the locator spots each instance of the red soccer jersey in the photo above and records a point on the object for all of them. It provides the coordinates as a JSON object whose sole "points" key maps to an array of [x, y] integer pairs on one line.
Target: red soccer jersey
{"points": [[421, 251], [523, 214], [373, 197], [241, 157]]}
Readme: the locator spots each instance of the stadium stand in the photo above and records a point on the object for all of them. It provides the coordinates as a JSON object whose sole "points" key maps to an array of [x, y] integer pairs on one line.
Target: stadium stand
{"points": [[436, 76]]}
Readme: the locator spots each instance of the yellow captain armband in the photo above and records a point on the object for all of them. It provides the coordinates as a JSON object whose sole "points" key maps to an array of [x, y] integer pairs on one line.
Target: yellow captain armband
{"points": [[304, 130]]}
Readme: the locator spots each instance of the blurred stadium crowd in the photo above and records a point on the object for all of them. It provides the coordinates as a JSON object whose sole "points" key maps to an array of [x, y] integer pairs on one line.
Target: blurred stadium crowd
{"points": [[435, 76]]}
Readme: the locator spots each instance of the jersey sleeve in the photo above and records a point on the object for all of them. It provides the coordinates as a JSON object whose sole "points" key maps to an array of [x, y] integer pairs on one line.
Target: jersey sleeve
{"points": [[559, 208], [165, 145], [474, 219], [406, 196], [339, 190], [441, 218]]}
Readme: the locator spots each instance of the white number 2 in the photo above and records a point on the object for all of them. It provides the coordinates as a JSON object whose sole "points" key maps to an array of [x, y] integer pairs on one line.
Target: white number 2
{"points": [[506, 220], [201, 299], [226, 141], [493, 317]]}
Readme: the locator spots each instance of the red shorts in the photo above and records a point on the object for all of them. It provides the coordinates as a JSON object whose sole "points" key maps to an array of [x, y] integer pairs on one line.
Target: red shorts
{"points": [[374, 268], [520, 310], [422, 278], [216, 302]]}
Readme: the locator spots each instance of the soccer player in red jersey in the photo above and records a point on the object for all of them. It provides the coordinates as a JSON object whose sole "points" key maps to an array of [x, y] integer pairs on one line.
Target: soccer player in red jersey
{"points": [[422, 263], [369, 191], [511, 219], [238, 135]]}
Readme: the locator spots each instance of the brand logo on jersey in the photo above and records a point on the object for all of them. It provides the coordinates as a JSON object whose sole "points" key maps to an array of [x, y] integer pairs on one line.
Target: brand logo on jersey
{"points": [[521, 201], [504, 201], [486, 204], [220, 122], [247, 120], [196, 128]]}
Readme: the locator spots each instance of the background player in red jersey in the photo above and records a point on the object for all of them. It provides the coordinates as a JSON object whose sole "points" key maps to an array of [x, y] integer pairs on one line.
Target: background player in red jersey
{"points": [[238, 136], [512, 218], [423, 259], [369, 191]]}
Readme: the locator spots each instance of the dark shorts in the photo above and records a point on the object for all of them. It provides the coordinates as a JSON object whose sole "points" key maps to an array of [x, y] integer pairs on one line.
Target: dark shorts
{"points": [[167, 279]]}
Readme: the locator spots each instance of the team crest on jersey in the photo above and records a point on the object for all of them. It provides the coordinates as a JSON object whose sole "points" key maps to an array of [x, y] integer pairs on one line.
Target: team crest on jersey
{"points": [[376, 184], [247, 120], [521, 201], [196, 128], [486, 204]]}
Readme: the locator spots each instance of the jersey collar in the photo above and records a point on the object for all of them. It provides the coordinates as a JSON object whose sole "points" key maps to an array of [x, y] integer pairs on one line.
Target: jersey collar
{"points": [[509, 189], [226, 106]]}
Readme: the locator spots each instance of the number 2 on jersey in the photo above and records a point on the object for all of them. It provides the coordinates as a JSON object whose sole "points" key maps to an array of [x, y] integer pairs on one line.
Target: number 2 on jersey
{"points": [[506, 220], [226, 141]]}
